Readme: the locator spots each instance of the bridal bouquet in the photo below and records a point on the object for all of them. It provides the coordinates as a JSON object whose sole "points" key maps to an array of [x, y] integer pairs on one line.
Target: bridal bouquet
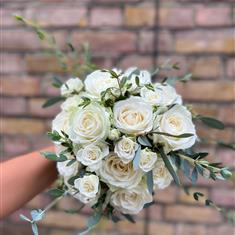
{"points": [[119, 138]]}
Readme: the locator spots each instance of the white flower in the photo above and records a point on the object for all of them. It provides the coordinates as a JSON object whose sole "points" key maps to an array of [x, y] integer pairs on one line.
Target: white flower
{"points": [[164, 95], [71, 103], [99, 81], [67, 171], [131, 201], [125, 148], [161, 176], [176, 121], [114, 134], [91, 155], [89, 124], [133, 116], [117, 174], [144, 77], [147, 160], [88, 187], [73, 85], [60, 149]]}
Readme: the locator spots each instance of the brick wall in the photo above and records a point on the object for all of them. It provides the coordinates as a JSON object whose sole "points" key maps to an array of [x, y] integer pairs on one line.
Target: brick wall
{"points": [[198, 34]]}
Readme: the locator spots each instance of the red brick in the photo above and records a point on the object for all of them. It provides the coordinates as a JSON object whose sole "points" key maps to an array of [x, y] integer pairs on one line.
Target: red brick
{"points": [[139, 16], [106, 17], [58, 16], [28, 86], [12, 63], [106, 43], [223, 197], [206, 90], [176, 17], [127, 228], [167, 195], [12, 106], [15, 145], [155, 212], [227, 114], [221, 230], [213, 15], [208, 67], [184, 229], [7, 18], [144, 62], [146, 41], [21, 126], [35, 108], [226, 156], [220, 41], [166, 229], [192, 214], [206, 110], [230, 68]]}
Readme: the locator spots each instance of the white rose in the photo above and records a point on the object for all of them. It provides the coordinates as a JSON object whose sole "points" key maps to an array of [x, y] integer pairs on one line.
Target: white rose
{"points": [[147, 160], [99, 81], [91, 155], [144, 77], [131, 201], [73, 85], [67, 171], [164, 94], [71, 103], [88, 188], [117, 174], [114, 134], [125, 148], [133, 116], [176, 121], [61, 149], [89, 124], [161, 176]]}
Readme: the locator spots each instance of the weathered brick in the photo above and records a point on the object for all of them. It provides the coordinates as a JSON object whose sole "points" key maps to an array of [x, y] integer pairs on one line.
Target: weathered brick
{"points": [[198, 41], [21, 126], [35, 108], [166, 229], [144, 62], [127, 228], [176, 17], [192, 214], [213, 15], [139, 16], [184, 229], [206, 90], [12, 63], [106, 17], [107, 43], [12, 106], [223, 197], [58, 16], [209, 67], [206, 110], [226, 156], [227, 114], [28, 86], [221, 230], [155, 212], [7, 18], [168, 195], [230, 68]]}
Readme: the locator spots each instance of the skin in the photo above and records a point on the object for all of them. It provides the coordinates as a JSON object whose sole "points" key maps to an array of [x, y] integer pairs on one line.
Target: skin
{"points": [[22, 178]]}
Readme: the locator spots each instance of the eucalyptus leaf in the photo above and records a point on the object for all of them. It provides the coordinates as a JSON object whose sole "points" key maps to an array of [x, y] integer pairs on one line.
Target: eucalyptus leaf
{"points": [[194, 175], [149, 204], [23, 217], [56, 192], [149, 176], [71, 162], [211, 122], [129, 218], [53, 157], [34, 228], [52, 101], [185, 135], [54, 135], [185, 166], [137, 158], [227, 145], [143, 140], [196, 195]]}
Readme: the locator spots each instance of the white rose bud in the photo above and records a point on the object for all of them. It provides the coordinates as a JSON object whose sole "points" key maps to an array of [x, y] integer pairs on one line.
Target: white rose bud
{"points": [[133, 116], [71, 103], [114, 134], [161, 176], [91, 155], [147, 160], [131, 201], [67, 171], [125, 148], [88, 188], [73, 85]]}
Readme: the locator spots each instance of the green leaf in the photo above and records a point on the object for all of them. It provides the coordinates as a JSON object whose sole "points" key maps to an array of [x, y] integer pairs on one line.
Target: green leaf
{"points": [[19, 18], [169, 166], [185, 135], [208, 202], [137, 81], [56, 192], [150, 181], [40, 34], [211, 122], [54, 135], [34, 228], [123, 82], [226, 145], [71, 162], [185, 167], [57, 82], [196, 195], [194, 175], [143, 140], [226, 173], [52, 156], [52, 101], [72, 179], [36, 215], [149, 204], [23, 217], [136, 159], [129, 218]]}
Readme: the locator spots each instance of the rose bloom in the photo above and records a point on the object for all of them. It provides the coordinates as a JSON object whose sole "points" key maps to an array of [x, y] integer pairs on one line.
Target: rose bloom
{"points": [[68, 171], [163, 95], [89, 124], [117, 174], [176, 121], [92, 154], [125, 148], [131, 201], [147, 160], [99, 81], [161, 176], [71, 103], [133, 116], [88, 187], [73, 85]]}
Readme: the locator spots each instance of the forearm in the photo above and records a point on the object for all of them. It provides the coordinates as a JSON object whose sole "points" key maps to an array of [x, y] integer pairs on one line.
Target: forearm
{"points": [[24, 177]]}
